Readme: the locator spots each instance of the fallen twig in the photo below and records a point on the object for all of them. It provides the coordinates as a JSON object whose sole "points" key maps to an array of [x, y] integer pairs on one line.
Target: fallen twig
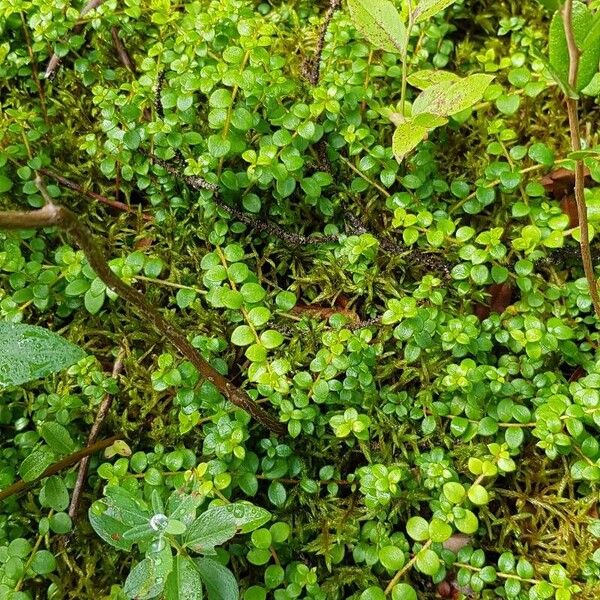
{"points": [[92, 437], [78, 188], [65, 462], [54, 61], [122, 51], [53, 214]]}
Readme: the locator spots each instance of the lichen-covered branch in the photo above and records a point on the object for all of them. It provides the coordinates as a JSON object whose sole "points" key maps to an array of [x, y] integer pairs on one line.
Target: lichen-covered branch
{"points": [[572, 111]]}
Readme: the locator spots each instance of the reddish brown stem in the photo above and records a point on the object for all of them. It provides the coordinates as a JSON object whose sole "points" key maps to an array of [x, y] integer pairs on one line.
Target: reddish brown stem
{"points": [[122, 51], [572, 111], [107, 201]]}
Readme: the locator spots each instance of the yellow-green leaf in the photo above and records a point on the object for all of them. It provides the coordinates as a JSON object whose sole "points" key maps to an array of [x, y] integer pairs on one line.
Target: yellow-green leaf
{"points": [[428, 77], [380, 23], [448, 98], [406, 137], [429, 8]]}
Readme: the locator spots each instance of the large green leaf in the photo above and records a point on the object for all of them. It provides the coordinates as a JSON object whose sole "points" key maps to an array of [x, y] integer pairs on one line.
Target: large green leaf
{"points": [[380, 23], [116, 514], [586, 30], [29, 352], [184, 581], [35, 464], [450, 97], [406, 137], [57, 437], [147, 579], [210, 529], [219, 580], [247, 516], [429, 8]]}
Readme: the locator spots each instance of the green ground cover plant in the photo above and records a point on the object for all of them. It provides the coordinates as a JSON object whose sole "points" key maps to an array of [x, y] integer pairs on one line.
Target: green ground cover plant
{"points": [[298, 300]]}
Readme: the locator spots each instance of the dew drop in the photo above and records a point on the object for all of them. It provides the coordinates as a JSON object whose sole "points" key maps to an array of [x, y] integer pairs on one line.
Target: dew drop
{"points": [[159, 522]]}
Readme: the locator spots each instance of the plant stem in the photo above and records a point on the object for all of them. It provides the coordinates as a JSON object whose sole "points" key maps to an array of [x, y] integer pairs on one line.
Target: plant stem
{"points": [[92, 437], [53, 214], [405, 60], [405, 568], [65, 462], [572, 108]]}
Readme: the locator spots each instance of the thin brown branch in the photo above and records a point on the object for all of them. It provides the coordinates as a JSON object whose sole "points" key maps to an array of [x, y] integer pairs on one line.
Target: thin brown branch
{"points": [[92, 437], [63, 463], [52, 214], [572, 111], [81, 190], [54, 61], [122, 51], [34, 70]]}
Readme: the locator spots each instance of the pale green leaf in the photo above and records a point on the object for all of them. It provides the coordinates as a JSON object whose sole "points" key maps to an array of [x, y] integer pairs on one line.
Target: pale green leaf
{"points": [[428, 77], [429, 8], [30, 352], [406, 137], [380, 23], [448, 98]]}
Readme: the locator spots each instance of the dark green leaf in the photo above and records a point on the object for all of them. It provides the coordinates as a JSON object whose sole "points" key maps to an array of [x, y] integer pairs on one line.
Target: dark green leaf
{"points": [[219, 580]]}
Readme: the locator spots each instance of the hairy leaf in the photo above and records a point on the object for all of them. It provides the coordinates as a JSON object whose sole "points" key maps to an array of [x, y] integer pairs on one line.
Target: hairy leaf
{"points": [[428, 77], [247, 516], [406, 137], [448, 98], [35, 464], [147, 579], [586, 31]]}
